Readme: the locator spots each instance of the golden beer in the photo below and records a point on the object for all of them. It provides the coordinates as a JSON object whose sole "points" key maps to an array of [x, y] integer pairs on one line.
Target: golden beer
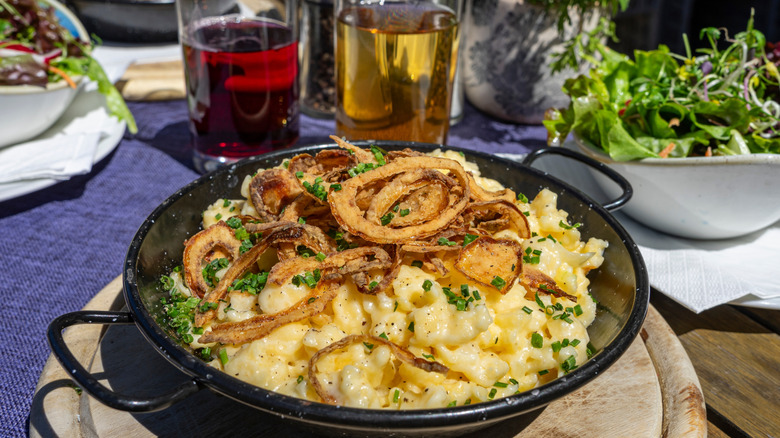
{"points": [[395, 65]]}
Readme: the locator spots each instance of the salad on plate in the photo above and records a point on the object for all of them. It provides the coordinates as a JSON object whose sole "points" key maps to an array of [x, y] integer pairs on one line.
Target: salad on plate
{"points": [[661, 104], [37, 50]]}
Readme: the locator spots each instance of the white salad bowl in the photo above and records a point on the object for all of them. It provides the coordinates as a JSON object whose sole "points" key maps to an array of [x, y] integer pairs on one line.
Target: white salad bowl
{"points": [[26, 110], [697, 197]]}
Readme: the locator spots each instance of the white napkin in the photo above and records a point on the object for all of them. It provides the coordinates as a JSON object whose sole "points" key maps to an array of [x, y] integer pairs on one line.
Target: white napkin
{"points": [[58, 157], [698, 274]]}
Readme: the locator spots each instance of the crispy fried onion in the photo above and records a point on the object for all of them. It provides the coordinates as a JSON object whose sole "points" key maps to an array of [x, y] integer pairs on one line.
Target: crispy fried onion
{"points": [[260, 326], [400, 352], [497, 215], [216, 241], [346, 211], [332, 269], [271, 190], [491, 262], [297, 235], [478, 194], [537, 281], [429, 190]]}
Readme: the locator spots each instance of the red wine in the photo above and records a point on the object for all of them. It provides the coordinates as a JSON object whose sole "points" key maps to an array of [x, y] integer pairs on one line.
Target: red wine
{"points": [[242, 87]]}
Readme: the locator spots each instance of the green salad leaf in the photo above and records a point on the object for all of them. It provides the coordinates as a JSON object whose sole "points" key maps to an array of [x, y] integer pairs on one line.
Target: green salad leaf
{"points": [[661, 104]]}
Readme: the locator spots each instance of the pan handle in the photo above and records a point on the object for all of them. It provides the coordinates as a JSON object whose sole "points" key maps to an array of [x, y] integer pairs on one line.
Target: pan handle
{"points": [[89, 383], [610, 173]]}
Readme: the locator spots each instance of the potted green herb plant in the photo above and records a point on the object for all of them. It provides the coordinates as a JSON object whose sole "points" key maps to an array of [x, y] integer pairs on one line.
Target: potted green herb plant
{"points": [[517, 53]]}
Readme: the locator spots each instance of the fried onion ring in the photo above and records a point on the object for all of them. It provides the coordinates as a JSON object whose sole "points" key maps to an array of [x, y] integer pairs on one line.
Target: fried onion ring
{"points": [[271, 190], [400, 352], [537, 281], [198, 247], [351, 218], [260, 326]]}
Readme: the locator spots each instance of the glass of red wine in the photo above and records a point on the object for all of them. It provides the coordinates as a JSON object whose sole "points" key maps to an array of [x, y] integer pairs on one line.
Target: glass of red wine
{"points": [[241, 71]]}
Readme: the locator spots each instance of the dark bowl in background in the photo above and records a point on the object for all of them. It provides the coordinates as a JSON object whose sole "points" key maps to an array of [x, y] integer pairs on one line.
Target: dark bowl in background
{"points": [[128, 21]]}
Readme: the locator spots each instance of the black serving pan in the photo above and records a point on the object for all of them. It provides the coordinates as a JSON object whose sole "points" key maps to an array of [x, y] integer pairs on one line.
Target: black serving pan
{"points": [[620, 285]]}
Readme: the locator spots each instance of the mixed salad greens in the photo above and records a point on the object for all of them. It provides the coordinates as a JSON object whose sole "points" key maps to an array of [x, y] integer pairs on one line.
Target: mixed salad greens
{"points": [[35, 49], [661, 104]]}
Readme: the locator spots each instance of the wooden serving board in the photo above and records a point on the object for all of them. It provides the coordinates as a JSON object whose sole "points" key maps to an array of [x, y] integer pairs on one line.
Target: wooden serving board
{"points": [[651, 391]]}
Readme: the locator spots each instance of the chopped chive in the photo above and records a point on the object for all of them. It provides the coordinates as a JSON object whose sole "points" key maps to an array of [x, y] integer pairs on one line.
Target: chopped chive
{"points": [[452, 404], [429, 356], [566, 226], [468, 238], [299, 174], [336, 187], [500, 385], [321, 256], [522, 198], [396, 395], [383, 336], [513, 381], [300, 379], [369, 346], [574, 343], [427, 285], [395, 306], [543, 372], [476, 295], [417, 263], [556, 346], [223, 357], [445, 241], [218, 216], [404, 212], [467, 402], [578, 310], [492, 393], [537, 341], [226, 202], [387, 218], [498, 282], [527, 310], [411, 327]]}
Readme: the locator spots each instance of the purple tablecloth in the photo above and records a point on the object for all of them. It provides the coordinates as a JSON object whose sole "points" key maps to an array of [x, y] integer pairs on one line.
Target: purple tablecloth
{"points": [[61, 245]]}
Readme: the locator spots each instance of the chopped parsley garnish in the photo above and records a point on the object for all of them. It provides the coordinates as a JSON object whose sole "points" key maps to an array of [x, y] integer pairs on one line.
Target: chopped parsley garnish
{"points": [[537, 341], [566, 226], [498, 282], [468, 238], [209, 272]]}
